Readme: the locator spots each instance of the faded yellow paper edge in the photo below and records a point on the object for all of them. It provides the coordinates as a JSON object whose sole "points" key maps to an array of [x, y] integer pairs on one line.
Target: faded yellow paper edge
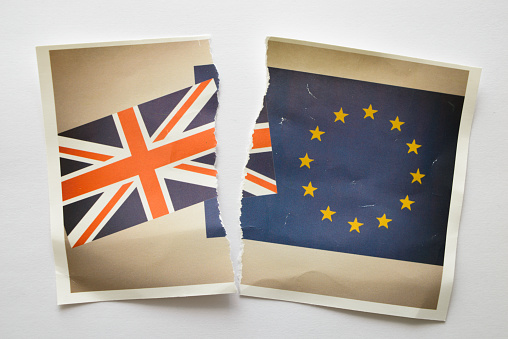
{"points": [[172, 250], [111, 78], [343, 275], [290, 257], [368, 66], [220, 283]]}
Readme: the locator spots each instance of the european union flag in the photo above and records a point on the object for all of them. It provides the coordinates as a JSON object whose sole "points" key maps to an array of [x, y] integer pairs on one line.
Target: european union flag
{"points": [[361, 167]]}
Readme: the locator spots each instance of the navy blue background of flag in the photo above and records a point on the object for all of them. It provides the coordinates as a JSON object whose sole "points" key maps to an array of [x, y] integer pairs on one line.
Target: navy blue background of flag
{"points": [[361, 168]]}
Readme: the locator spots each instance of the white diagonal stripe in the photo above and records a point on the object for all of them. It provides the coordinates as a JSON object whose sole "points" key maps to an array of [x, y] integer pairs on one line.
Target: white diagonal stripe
{"points": [[261, 176], [260, 150], [112, 212], [193, 110], [189, 115], [121, 134], [142, 196], [261, 125], [255, 189], [190, 177], [142, 127], [99, 205], [98, 163], [87, 146], [195, 131]]}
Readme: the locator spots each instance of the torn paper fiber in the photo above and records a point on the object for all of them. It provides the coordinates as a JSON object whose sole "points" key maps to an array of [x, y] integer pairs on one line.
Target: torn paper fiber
{"points": [[131, 152], [368, 153]]}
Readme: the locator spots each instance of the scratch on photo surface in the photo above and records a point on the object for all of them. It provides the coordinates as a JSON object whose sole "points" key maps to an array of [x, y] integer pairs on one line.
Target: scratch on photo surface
{"points": [[308, 90], [286, 220]]}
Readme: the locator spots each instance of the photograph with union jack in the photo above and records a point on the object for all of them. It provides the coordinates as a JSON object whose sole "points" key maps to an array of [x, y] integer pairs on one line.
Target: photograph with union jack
{"points": [[140, 163]]}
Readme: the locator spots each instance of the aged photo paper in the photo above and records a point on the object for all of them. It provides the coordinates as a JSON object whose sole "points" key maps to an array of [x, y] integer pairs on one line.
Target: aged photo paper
{"points": [[354, 185], [130, 131]]}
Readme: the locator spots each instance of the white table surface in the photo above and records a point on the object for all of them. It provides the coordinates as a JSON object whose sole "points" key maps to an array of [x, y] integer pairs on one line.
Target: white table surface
{"points": [[472, 33]]}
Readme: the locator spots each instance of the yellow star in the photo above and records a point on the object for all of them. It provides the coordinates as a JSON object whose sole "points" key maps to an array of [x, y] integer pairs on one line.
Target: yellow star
{"points": [[383, 221], [309, 189], [340, 116], [355, 225], [417, 176], [413, 147], [306, 161], [406, 203], [316, 134], [396, 124], [369, 112], [327, 214]]}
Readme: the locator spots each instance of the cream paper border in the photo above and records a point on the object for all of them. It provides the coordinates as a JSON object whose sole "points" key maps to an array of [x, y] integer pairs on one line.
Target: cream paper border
{"points": [[63, 284], [252, 249]]}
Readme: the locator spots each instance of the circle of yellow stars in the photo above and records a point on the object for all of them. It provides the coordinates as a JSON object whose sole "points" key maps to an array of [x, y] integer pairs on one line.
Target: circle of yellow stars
{"points": [[340, 116]]}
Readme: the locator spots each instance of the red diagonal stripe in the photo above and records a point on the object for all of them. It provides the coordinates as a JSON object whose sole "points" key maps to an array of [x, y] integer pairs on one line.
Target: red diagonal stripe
{"points": [[165, 131], [84, 154], [197, 169], [132, 166], [100, 217], [261, 182]]}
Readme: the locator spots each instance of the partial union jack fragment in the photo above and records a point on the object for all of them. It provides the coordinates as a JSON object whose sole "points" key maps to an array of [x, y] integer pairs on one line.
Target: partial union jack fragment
{"points": [[260, 172], [139, 164]]}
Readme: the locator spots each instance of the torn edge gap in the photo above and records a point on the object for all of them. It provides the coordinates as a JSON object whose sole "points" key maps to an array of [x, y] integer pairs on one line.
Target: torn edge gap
{"points": [[253, 126], [216, 157]]}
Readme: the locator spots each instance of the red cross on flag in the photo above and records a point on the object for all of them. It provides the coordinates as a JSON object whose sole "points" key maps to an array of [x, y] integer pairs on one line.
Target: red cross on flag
{"points": [[148, 160]]}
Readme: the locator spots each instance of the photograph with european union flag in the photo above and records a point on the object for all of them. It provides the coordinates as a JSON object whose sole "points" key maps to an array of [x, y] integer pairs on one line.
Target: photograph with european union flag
{"points": [[130, 131], [354, 184]]}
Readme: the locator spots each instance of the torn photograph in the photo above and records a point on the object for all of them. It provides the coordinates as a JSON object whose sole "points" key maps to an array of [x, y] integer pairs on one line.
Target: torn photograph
{"points": [[130, 133], [354, 184]]}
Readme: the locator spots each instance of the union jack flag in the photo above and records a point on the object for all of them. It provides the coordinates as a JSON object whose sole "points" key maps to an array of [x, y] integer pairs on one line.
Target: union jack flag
{"points": [[260, 172], [139, 164]]}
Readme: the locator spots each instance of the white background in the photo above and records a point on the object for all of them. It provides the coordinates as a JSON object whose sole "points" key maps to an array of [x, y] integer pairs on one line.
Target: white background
{"points": [[472, 33]]}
